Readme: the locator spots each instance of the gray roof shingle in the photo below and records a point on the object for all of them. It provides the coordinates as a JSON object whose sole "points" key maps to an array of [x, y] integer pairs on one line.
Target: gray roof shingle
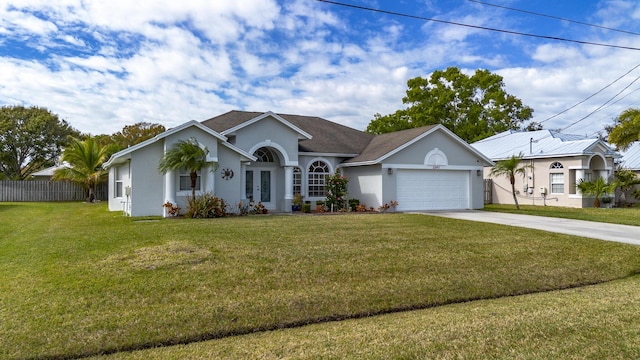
{"points": [[327, 136]]}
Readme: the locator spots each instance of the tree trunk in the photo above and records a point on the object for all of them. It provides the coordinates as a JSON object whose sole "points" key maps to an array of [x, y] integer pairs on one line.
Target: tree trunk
{"points": [[194, 177], [512, 179]]}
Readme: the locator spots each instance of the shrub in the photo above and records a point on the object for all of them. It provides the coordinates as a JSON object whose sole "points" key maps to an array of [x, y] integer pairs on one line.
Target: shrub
{"points": [[336, 191], [353, 204], [206, 206]]}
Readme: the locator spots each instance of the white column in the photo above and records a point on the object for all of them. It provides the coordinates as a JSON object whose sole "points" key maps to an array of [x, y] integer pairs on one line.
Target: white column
{"points": [[288, 188], [210, 185], [169, 189], [243, 180], [288, 182]]}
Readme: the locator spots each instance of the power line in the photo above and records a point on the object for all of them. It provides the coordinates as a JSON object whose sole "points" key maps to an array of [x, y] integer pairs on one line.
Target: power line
{"points": [[590, 96], [476, 26], [601, 106], [555, 17]]}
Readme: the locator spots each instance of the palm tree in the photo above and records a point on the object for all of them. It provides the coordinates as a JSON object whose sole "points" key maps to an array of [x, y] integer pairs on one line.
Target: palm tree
{"points": [[625, 179], [189, 155], [595, 188], [85, 158], [510, 168]]}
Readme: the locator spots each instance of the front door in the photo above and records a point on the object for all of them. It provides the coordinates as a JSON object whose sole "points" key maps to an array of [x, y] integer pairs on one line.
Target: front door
{"points": [[260, 187]]}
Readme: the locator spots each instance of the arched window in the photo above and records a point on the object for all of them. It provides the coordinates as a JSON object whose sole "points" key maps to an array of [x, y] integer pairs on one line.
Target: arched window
{"points": [[264, 155], [318, 172], [556, 165]]}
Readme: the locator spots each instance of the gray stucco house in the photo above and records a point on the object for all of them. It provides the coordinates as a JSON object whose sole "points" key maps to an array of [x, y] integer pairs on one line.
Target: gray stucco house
{"points": [[269, 157]]}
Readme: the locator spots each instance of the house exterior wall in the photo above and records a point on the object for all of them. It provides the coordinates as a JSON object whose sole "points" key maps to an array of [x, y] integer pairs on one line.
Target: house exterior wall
{"points": [[228, 189], [120, 173], [269, 132], [365, 184], [147, 192], [528, 187]]}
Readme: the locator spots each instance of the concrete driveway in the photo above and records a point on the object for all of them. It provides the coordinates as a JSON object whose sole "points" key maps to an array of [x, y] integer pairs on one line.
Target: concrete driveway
{"points": [[611, 232]]}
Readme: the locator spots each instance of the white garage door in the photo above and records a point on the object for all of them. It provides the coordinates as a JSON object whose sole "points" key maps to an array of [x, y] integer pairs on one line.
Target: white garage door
{"points": [[432, 190]]}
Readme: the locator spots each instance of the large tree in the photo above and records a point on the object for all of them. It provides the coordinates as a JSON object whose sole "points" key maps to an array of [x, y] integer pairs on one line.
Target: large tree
{"points": [[84, 159], [474, 107], [626, 129], [510, 168], [31, 139], [136, 133]]}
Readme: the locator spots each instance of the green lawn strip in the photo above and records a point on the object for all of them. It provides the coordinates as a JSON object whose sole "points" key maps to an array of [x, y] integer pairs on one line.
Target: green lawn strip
{"points": [[624, 216], [77, 280], [593, 322]]}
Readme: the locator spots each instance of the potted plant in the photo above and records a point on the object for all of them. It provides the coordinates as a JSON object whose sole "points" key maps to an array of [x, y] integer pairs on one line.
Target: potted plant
{"points": [[296, 203], [306, 207]]}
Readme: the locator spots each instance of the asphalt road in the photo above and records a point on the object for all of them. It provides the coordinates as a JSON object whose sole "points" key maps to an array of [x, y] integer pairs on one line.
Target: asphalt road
{"points": [[611, 232]]}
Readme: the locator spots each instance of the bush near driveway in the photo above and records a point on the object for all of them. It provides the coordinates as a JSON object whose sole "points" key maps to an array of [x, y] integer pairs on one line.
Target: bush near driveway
{"points": [[77, 280]]}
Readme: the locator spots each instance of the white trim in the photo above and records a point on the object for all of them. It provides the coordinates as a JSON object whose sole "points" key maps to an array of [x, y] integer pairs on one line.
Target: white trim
{"points": [[431, 167], [283, 152], [301, 133], [435, 154], [125, 154]]}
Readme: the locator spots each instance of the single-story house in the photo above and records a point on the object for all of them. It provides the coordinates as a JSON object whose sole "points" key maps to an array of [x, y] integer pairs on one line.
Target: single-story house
{"points": [[47, 174], [269, 157], [557, 162]]}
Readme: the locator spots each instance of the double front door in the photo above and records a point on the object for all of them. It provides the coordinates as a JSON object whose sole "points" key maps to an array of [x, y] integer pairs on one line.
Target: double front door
{"points": [[260, 186]]}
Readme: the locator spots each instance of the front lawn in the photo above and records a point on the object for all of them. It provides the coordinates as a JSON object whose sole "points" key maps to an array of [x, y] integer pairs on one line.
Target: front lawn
{"points": [[76, 280], [592, 322], [624, 216]]}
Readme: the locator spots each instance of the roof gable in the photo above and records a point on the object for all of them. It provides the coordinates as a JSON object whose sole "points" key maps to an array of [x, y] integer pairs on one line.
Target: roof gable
{"points": [[228, 126], [383, 146], [122, 155]]}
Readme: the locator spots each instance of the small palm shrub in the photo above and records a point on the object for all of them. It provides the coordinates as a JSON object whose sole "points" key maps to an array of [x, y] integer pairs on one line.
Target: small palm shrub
{"points": [[206, 206]]}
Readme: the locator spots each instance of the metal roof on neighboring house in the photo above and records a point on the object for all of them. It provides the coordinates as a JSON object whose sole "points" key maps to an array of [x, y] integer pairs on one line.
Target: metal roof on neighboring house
{"points": [[537, 144], [631, 157]]}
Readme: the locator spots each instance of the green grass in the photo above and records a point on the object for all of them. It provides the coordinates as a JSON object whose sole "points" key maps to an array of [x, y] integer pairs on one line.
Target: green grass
{"points": [[624, 216], [76, 280], [594, 322]]}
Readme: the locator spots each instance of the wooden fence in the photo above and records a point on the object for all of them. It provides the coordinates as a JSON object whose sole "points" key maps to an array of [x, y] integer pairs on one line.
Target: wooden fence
{"points": [[488, 191], [42, 190]]}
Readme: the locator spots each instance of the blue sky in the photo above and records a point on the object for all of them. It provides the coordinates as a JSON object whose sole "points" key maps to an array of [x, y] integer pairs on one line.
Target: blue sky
{"points": [[102, 65]]}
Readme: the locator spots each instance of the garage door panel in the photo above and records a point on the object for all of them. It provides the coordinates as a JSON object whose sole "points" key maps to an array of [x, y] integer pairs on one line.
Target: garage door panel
{"points": [[432, 189]]}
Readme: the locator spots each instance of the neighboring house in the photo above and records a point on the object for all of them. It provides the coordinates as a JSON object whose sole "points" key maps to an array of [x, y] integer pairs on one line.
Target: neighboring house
{"points": [[268, 157], [631, 157], [630, 160], [47, 174], [558, 162]]}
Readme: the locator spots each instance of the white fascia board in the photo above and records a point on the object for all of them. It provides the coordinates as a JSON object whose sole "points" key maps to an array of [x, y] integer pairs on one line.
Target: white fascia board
{"points": [[301, 133], [246, 155], [431, 167], [125, 154]]}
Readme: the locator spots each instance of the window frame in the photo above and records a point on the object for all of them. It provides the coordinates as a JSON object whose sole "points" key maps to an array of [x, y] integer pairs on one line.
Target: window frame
{"points": [[317, 180], [554, 183], [184, 173], [118, 189], [297, 181]]}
